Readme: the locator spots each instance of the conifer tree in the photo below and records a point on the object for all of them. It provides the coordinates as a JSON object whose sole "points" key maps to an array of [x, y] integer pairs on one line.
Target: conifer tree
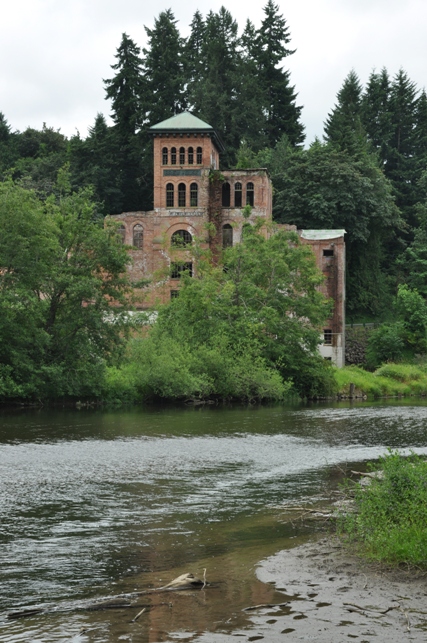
{"points": [[193, 61], [126, 90], [376, 113], [343, 126], [215, 99], [279, 97], [163, 69]]}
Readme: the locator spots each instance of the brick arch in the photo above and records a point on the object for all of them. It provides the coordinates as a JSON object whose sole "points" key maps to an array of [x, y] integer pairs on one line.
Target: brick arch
{"points": [[182, 225]]}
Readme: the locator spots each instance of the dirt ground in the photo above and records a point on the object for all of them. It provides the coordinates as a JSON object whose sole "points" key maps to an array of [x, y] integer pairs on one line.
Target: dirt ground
{"points": [[334, 597]]}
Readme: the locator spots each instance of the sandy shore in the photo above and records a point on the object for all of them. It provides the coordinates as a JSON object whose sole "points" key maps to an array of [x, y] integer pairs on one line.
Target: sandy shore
{"points": [[334, 597]]}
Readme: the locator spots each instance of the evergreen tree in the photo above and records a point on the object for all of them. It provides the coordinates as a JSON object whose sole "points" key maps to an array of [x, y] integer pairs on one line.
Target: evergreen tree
{"points": [[193, 60], [94, 161], [215, 98], [279, 97], [126, 90], [343, 127], [401, 164], [421, 132], [376, 113], [163, 70]]}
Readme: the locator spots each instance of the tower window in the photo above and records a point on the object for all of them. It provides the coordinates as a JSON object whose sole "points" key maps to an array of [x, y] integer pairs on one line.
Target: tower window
{"points": [[194, 194], [190, 156], [250, 194], [165, 155], [173, 156], [238, 195], [182, 155], [169, 195], [226, 195], [181, 239], [138, 236], [181, 195], [227, 236], [328, 252], [199, 156]]}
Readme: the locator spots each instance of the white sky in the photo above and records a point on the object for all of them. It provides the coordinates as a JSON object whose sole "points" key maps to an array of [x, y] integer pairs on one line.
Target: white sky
{"points": [[55, 53]]}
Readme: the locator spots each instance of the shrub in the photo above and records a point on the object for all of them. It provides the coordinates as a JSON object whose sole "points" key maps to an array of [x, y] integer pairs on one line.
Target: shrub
{"points": [[391, 513]]}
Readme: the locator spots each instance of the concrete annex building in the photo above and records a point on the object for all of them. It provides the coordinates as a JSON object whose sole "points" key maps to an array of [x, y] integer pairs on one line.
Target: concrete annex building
{"points": [[189, 194]]}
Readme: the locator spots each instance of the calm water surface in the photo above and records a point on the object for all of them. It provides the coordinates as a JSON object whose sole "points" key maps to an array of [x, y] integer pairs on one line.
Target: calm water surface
{"points": [[94, 504]]}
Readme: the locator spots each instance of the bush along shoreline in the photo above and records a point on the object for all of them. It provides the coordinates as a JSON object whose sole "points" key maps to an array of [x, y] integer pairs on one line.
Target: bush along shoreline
{"points": [[389, 516]]}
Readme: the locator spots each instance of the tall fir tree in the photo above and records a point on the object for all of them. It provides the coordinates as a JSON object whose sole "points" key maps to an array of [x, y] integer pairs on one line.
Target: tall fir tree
{"points": [[343, 126], [401, 164], [376, 113], [279, 97], [163, 69], [126, 90], [193, 60], [215, 97]]}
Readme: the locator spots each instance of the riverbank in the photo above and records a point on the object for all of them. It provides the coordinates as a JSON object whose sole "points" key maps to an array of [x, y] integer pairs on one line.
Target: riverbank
{"points": [[390, 380], [333, 595]]}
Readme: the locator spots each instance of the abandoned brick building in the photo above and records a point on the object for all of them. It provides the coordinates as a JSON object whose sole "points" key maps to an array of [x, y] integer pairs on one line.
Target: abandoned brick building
{"points": [[186, 199]]}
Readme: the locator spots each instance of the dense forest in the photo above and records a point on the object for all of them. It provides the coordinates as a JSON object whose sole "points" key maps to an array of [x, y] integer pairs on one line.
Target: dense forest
{"points": [[368, 174]]}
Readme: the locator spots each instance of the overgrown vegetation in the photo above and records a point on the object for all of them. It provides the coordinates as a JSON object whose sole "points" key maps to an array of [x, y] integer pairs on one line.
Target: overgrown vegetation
{"points": [[388, 380], [247, 331], [389, 522]]}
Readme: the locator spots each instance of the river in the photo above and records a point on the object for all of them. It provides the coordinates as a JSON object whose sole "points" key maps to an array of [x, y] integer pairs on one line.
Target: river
{"points": [[98, 503]]}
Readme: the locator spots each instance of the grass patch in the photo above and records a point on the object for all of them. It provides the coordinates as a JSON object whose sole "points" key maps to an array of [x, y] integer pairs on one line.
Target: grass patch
{"points": [[388, 380], [389, 524]]}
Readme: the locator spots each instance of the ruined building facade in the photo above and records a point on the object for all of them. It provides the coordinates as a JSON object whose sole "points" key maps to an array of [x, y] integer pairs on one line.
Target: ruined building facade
{"points": [[193, 199]]}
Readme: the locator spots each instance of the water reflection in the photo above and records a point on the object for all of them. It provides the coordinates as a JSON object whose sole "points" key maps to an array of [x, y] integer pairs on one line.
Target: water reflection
{"points": [[96, 503]]}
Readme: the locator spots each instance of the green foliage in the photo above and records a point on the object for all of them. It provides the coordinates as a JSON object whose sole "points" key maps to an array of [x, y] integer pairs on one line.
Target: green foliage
{"points": [[250, 331], [388, 380], [385, 344], [59, 271], [391, 512]]}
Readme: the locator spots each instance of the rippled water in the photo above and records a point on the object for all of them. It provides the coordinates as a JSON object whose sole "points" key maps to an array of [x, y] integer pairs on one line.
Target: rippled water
{"points": [[98, 503]]}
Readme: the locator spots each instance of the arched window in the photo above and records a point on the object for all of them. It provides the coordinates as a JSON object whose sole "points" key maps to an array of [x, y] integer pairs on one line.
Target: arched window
{"points": [[138, 235], [181, 239], [194, 195], [250, 194], [182, 155], [165, 156], [226, 195], [169, 195], [199, 156], [190, 156], [181, 195], [227, 236], [173, 156], [121, 231], [237, 195]]}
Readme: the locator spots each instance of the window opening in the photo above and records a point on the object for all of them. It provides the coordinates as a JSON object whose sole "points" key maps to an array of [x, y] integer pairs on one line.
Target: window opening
{"points": [[169, 195], [328, 253], [173, 156], [182, 155], [194, 194], [190, 156], [199, 156], [250, 194], [138, 235], [181, 238], [327, 337], [181, 195], [165, 155], [226, 195], [178, 268], [121, 231], [238, 195], [227, 236], [174, 294]]}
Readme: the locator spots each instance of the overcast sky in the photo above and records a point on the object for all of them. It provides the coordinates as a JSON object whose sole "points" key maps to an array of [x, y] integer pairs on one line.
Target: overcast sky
{"points": [[55, 53]]}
